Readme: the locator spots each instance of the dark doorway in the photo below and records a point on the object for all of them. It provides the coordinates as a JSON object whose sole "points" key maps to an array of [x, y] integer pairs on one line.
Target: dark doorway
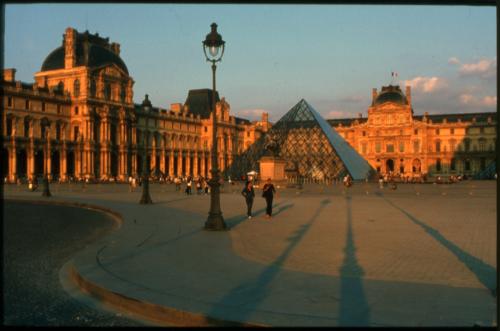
{"points": [[183, 170], [389, 165], [167, 166], [39, 156], [55, 164], [22, 164], [139, 165], [114, 164], [70, 163], [176, 166], [191, 168], [415, 167]]}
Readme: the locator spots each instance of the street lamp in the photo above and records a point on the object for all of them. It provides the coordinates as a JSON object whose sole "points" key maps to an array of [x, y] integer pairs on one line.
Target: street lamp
{"points": [[146, 198], [214, 44], [46, 190]]}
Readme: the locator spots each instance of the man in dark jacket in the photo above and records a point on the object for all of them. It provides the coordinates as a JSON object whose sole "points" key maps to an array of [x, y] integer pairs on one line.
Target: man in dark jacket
{"points": [[268, 193], [249, 194]]}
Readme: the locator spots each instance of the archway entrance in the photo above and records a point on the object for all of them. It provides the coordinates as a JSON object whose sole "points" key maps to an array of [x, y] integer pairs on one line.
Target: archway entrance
{"points": [[389, 165], [55, 164], [22, 164], [39, 169], [70, 163], [415, 167]]}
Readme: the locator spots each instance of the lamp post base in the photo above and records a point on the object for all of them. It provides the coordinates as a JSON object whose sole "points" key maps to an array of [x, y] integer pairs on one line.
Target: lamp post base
{"points": [[145, 198], [215, 222], [46, 190]]}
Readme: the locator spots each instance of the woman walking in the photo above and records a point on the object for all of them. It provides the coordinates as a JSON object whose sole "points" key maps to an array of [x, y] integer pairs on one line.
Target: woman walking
{"points": [[249, 194], [268, 192]]}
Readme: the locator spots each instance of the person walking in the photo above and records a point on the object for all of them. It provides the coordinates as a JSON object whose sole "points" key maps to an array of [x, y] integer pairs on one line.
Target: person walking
{"points": [[249, 194], [268, 193]]}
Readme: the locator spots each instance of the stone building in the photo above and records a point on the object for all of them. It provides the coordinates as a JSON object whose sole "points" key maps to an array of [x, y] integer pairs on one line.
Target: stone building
{"points": [[78, 120], [393, 139]]}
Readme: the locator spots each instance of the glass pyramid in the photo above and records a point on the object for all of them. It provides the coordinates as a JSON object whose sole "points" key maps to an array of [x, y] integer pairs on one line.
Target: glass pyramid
{"points": [[310, 147]]}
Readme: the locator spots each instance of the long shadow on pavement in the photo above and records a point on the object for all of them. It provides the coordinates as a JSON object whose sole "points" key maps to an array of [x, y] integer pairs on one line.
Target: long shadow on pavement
{"points": [[354, 309], [244, 299], [485, 273], [234, 221]]}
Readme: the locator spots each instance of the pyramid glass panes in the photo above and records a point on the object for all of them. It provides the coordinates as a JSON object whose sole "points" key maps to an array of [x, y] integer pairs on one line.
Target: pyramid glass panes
{"points": [[310, 147]]}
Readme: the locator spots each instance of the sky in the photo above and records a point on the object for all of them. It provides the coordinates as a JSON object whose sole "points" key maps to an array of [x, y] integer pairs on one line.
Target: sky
{"points": [[330, 55]]}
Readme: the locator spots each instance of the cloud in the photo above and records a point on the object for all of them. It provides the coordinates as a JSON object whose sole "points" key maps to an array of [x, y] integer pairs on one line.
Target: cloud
{"points": [[471, 100], [333, 114], [485, 68], [453, 60], [427, 84], [251, 114], [489, 101], [467, 99]]}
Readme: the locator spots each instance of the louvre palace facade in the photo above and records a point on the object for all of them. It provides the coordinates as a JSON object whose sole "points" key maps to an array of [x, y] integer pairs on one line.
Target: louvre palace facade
{"points": [[78, 120], [395, 140]]}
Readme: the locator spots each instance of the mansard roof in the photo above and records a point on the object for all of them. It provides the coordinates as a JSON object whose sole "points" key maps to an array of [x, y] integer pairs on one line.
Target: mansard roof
{"points": [[200, 102]]}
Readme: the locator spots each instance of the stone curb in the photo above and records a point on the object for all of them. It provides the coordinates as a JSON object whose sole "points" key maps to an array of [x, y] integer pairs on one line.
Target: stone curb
{"points": [[157, 313]]}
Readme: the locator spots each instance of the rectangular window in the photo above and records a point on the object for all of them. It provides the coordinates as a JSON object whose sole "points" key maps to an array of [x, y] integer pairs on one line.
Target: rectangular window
{"points": [[415, 131], [437, 131], [9, 102], [363, 148], [27, 104], [438, 146], [75, 133], [390, 148], [364, 133], [401, 147], [43, 106], [76, 110], [9, 127], [377, 147], [416, 146], [452, 131]]}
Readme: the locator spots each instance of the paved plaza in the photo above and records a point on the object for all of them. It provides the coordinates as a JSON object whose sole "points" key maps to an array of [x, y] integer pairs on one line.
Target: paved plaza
{"points": [[420, 255]]}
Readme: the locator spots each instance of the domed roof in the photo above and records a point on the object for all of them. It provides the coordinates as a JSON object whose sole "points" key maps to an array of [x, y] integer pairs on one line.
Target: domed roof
{"points": [[390, 94], [98, 54]]}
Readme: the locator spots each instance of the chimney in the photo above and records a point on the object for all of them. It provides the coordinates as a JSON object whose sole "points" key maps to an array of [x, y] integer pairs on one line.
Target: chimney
{"points": [[70, 48], [374, 95], [9, 75], [115, 47], [265, 117], [408, 94]]}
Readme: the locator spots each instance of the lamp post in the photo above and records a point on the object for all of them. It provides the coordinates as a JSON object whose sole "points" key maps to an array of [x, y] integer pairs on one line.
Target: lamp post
{"points": [[145, 198], [214, 44], [46, 190]]}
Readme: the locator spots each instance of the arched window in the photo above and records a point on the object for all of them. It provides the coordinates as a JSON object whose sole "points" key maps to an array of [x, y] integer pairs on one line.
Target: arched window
{"points": [[26, 127], [93, 87], [76, 88], [438, 165], [467, 144], [453, 165], [438, 145], [107, 91], [123, 92]]}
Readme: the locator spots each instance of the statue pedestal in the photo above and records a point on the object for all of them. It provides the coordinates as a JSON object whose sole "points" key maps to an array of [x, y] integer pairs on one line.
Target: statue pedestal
{"points": [[272, 167]]}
